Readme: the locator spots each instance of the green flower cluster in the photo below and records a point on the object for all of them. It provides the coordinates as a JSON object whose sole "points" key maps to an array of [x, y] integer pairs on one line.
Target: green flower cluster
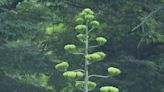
{"points": [[86, 17], [62, 66], [70, 47], [97, 56], [109, 89], [114, 71], [87, 14], [111, 71], [101, 40], [81, 27], [94, 23], [73, 74], [80, 85], [81, 37]]}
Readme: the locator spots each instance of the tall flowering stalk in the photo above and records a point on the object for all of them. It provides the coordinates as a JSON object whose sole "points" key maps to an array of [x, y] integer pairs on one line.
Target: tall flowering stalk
{"points": [[86, 23]]}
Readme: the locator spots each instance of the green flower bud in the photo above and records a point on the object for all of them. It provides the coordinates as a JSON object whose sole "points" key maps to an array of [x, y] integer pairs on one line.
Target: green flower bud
{"points": [[88, 11], [105, 89], [82, 14], [62, 66], [114, 71], [80, 85], [70, 47], [89, 17], [79, 20], [113, 89], [69, 74], [93, 57], [109, 89], [101, 40], [91, 85], [94, 23], [102, 54], [81, 27], [97, 56], [81, 37], [79, 74]]}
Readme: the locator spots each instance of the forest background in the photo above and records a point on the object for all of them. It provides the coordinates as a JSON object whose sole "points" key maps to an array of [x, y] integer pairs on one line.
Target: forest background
{"points": [[34, 32]]}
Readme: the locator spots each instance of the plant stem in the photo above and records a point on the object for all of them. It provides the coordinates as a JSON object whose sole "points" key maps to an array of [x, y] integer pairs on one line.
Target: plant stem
{"points": [[78, 53], [101, 76], [86, 62], [79, 70]]}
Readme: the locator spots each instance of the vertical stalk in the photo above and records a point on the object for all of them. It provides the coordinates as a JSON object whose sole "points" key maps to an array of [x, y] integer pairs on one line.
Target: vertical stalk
{"points": [[86, 62]]}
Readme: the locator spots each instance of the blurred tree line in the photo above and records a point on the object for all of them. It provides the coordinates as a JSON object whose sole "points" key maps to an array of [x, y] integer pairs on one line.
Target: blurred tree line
{"points": [[34, 32]]}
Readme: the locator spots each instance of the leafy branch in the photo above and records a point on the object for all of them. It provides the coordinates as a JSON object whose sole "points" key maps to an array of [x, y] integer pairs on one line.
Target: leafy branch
{"points": [[146, 18]]}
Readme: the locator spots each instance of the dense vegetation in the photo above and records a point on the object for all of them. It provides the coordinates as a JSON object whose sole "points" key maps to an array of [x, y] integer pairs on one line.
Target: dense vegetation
{"points": [[34, 32]]}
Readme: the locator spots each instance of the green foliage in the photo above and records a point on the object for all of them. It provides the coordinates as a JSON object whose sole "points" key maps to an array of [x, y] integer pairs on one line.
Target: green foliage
{"points": [[139, 75], [54, 28]]}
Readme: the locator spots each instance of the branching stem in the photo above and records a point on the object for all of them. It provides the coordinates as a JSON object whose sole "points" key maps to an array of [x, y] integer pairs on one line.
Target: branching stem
{"points": [[146, 18], [94, 46], [91, 29], [78, 53], [101, 76], [79, 70]]}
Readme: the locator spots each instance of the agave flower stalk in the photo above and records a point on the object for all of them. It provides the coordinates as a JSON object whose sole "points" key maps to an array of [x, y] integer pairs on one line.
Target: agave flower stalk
{"points": [[86, 23]]}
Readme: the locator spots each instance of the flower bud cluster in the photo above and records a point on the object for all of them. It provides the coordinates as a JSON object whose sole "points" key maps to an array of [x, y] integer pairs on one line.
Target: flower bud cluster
{"points": [[111, 71], [62, 66], [109, 89], [81, 28], [86, 17], [73, 74], [114, 71], [101, 40], [70, 47], [80, 85], [81, 37], [97, 56]]}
